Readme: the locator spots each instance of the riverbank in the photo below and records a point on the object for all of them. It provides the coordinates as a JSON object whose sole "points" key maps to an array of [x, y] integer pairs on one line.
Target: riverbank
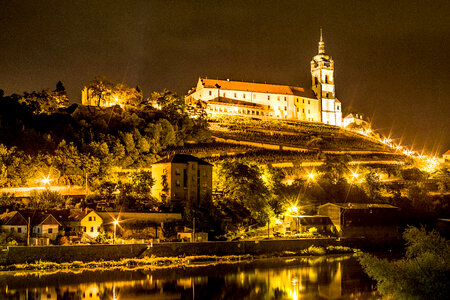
{"points": [[173, 262], [258, 278], [101, 253]]}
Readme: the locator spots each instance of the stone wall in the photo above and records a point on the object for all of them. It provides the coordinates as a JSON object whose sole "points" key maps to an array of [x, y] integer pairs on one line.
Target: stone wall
{"points": [[85, 253], [260, 247]]}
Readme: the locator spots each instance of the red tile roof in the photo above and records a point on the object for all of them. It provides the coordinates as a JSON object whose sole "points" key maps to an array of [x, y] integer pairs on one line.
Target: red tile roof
{"points": [[257, 87]]}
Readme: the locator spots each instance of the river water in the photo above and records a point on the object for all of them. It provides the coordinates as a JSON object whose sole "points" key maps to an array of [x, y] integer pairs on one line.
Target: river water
{"points": [[331, 277]]}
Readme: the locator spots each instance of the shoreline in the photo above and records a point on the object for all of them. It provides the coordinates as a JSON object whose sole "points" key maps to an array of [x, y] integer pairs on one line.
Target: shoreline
{"points": [[173, 261], [186, 265]]}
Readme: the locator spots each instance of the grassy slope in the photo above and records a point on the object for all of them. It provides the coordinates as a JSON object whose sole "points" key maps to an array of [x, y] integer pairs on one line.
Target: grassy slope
{"points": [[313, 137]]}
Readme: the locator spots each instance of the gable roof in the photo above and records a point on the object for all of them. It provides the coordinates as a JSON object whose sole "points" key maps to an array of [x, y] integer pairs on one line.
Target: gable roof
{"points": [[182, 158], [40, 218], [360, 205], [13, 218], [257, 87], [69, 215]]}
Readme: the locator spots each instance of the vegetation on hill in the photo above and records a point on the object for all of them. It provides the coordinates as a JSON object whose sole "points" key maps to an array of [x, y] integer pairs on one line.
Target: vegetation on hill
{"points": [[42, 137], [290, 133]]}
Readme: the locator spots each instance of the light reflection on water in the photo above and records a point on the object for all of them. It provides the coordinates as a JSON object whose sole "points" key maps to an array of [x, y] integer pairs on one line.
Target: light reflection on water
{"points": [[338, 277]]}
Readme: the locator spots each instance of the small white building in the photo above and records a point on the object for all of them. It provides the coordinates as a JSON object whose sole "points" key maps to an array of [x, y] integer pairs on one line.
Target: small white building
{"points": [[356, 119]]}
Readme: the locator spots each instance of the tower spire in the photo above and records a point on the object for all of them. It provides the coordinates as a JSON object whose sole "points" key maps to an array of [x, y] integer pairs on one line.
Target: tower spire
{"points": [[321, 43]]}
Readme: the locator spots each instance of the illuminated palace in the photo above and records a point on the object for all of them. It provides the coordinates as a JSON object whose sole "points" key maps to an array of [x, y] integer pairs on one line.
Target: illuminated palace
{"points": [[271, 101]]}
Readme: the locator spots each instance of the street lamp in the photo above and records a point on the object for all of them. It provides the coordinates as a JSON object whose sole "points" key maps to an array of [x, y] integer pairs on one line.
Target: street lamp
{"points": [[46, 180], [115, 227], [311, 176]]}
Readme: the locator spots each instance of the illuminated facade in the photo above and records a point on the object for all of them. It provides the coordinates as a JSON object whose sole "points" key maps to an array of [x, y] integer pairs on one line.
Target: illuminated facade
{"points": [[270, 101], [182, 177]]}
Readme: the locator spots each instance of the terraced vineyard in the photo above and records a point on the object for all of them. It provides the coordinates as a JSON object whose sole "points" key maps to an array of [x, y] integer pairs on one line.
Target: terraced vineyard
{"points": [[271, 142]]}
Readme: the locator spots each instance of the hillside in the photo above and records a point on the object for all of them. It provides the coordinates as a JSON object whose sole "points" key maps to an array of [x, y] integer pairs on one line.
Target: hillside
{"points": [[284, 141]]}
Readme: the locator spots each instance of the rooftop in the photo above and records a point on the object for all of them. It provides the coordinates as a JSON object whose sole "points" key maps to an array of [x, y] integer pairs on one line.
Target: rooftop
{"points": [[361, 205], [182, 158], [257, 87]]}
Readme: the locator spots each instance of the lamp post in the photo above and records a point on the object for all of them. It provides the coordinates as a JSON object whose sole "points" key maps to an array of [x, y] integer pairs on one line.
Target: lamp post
{"points": [[115, 227]]}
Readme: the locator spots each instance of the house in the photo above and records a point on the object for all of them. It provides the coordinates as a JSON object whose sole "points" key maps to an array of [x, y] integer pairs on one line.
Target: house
{"points": [[79, 223], [140, 225], [273, 101], [182, 177], [355, 119], [446, 156], [376, 221], [43, 225], [302, 224], [14, 222]]}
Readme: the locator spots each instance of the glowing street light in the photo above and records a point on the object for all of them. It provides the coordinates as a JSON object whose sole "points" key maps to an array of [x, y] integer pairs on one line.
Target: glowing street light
{"points": [[355, 175], [311, 176], [116, 222], [45, 180], [293, 209]]}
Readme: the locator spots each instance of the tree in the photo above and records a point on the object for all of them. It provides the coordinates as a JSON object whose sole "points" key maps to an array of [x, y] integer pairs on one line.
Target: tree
{"points": [[60, 95], [244, 193], [372, 185], [100, 88], [424, 272], [334, 168], [126, 95]]}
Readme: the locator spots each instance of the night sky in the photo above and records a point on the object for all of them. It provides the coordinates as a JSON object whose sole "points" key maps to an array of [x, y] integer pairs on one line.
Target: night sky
{"points": [[392, 58]]}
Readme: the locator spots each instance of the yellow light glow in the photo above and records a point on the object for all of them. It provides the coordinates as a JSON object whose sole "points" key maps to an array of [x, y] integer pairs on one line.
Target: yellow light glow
{"points": [[311, 176], [46, 180], [355, 175], [116, 222], [293, 209]]}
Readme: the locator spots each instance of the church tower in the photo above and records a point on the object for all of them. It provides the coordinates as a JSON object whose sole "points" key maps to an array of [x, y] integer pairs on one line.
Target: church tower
{"points": [[322, 72]]}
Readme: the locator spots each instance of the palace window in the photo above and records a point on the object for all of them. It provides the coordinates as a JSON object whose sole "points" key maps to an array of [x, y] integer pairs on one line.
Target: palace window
{"points": [[19, 230], [326, 78], [285, 98], [338, 107], [254, 96], [90, 218], [243, 96], [285, 108], [316, 81], [224, 94], [235, 95], [268, 97], [303, 110], [177, 171], [50, 230], [178, 182], [278, 98], [303, 100], [309, 111], [309, 102], [210, 93]]}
